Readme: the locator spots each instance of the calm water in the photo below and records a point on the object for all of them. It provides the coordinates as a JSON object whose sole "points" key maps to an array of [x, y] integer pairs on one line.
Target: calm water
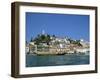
{"points": [[55, 60]]}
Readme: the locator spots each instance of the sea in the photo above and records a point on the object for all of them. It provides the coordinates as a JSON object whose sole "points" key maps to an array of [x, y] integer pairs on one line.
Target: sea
{"points": [[56, 60]]}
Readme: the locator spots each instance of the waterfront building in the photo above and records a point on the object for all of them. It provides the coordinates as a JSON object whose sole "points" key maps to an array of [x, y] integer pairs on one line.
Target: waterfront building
{"points": [[27, 48]]}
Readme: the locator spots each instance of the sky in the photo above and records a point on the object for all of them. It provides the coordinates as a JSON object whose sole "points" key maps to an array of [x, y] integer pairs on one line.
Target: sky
{"points": [[64, 25]]}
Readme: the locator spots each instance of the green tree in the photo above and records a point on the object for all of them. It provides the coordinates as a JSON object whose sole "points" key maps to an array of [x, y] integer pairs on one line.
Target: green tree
{"points": [[31, 39], [42, 38], [54, 36]]}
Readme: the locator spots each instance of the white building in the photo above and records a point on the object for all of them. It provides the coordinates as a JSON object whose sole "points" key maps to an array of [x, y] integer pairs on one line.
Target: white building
{"points": [[82, 50], [84, 43], [27, 48]]}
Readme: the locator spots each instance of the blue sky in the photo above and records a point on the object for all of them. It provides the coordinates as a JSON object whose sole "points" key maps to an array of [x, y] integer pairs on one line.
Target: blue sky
{"points": [[73, 26]]}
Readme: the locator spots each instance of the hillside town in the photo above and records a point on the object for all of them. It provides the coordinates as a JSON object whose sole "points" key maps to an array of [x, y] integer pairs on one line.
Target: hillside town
{"points": [[51, 44]]}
